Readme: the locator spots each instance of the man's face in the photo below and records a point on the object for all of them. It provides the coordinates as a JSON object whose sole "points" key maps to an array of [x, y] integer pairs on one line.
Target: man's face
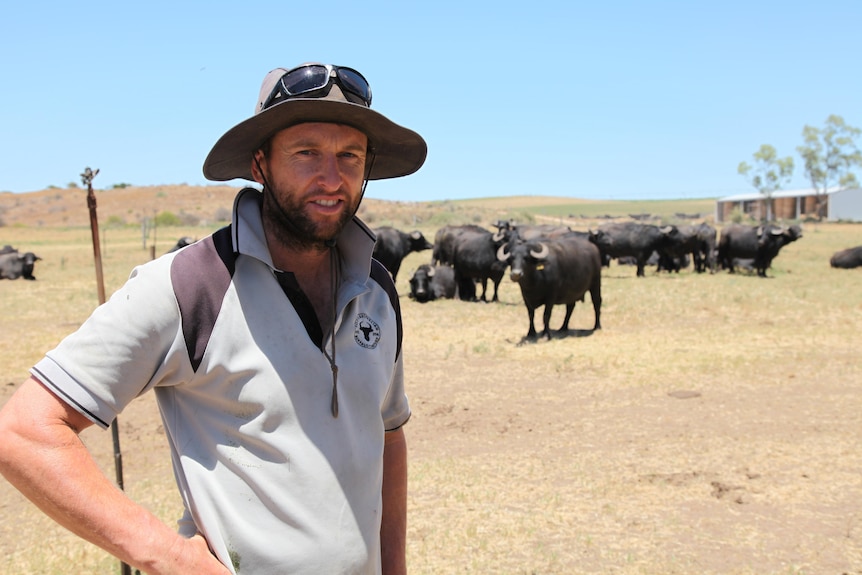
{"points": [[315, 172]]}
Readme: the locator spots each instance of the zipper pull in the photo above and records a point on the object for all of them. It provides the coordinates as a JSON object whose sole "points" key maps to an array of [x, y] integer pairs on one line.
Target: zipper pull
{"points": [[334, 404]]}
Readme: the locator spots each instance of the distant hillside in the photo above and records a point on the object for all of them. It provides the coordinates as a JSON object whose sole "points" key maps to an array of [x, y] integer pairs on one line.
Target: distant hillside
{"points": [[209, 205]]}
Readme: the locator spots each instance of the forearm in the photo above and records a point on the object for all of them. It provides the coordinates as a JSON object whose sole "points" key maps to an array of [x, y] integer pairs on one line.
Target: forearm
{"points": [[84, 501], [393, 530], [43, 457]]}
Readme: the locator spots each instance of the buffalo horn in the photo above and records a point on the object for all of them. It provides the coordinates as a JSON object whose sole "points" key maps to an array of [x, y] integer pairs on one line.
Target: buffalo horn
{"points": [[541, 254], [430, 271], [502, 254]]}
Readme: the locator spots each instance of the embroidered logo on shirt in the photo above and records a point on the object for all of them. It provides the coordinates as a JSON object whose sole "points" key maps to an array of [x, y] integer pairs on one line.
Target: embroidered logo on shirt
{"points": [[366, 332]]}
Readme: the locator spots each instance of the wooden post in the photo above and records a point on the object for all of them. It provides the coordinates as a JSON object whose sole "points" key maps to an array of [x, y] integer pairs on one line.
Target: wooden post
{"points": [[87, 179]]}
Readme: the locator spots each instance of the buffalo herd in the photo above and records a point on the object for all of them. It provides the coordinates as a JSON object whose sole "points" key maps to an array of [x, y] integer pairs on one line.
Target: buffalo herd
{"points": [[555, 265], [552, 264]]}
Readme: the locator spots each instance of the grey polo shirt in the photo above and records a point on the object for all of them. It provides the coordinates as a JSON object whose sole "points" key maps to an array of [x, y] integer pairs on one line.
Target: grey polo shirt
{"points": [[273, 480]]}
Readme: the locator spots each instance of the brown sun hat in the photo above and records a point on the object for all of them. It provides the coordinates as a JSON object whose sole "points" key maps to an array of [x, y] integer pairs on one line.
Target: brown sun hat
{"points": [[398, 151]]}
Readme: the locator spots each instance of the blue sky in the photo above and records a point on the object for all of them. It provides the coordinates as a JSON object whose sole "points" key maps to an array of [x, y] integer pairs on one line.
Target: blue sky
{"points": [[602, 100]]}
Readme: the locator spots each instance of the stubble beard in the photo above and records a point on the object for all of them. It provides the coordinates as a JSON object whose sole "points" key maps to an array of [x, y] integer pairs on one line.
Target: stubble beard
{"points": [[291, 224]]}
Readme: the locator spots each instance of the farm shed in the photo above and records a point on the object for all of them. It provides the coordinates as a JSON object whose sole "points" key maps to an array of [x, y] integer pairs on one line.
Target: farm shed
{"points": [[838, 205]]}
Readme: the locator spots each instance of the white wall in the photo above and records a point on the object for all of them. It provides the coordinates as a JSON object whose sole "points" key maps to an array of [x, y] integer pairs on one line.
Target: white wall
{"points": [[845, 205]]}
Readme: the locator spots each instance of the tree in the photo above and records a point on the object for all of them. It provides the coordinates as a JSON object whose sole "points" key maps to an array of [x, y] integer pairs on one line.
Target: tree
{"points": [[768, 173], [830, 154]]}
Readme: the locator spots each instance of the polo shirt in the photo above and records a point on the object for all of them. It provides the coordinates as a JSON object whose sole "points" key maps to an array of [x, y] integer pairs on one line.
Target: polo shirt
{"points": [[267, 474]]}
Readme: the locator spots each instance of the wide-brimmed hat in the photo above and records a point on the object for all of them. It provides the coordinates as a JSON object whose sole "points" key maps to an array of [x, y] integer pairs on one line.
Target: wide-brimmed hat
{"points": [[397, 150]]}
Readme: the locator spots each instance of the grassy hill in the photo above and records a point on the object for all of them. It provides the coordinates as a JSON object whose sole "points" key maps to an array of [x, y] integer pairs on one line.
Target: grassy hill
{"points": [[208, 206]]}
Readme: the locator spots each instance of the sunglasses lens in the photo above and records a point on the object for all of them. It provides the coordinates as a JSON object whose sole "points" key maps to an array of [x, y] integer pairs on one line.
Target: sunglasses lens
{"points": [[305, 79], [356, 83]]}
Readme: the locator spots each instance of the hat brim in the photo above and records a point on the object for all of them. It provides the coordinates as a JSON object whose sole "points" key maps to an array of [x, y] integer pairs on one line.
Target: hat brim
{"points": [[398, 151]]}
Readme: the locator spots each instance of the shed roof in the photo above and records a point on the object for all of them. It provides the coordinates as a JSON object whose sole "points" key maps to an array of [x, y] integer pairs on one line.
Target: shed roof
{"points": [[752, 196]]}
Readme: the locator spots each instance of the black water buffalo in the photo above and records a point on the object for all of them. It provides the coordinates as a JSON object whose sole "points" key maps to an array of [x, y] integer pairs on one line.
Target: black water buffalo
{"points": [[629, 239], [447, 238], [704, 252], [760, 243], [531, 231], [14, 265], [434, 282], [475, 258], [680, 242], [393, 246], [555, 271], [847, 259]]}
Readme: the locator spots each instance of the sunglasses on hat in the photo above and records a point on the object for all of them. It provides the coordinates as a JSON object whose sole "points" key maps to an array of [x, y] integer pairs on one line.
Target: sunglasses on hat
{"points": [[313, 80]]}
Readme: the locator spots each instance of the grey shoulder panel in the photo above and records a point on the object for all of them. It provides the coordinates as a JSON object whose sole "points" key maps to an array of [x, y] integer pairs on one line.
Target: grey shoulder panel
{"points": [[201, 274]]}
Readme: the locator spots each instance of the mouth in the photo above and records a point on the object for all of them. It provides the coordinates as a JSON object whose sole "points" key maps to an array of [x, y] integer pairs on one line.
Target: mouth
{"points": [[327, 206]]}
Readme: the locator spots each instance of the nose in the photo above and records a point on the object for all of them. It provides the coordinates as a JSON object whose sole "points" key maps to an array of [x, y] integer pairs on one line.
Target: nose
{"points": [[330, 176]]}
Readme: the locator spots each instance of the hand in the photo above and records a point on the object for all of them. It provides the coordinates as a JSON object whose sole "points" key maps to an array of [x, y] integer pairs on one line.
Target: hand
{"points": [[189, 557]]}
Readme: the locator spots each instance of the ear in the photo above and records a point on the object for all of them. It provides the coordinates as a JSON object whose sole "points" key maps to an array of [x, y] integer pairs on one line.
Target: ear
{"points": [[257, 160]]}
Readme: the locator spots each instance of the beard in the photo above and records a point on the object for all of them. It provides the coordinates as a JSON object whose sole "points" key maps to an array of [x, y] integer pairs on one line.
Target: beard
{"points": [[285, 215]]}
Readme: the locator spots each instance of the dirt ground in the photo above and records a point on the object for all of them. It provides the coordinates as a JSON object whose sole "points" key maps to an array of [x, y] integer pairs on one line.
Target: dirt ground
{"points": [[520, 468]]}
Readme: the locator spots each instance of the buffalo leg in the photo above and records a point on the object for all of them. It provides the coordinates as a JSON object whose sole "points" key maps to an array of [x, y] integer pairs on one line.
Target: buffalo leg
{"points": [[570, 307], [596, 297], [546, 317], [531, 312]]}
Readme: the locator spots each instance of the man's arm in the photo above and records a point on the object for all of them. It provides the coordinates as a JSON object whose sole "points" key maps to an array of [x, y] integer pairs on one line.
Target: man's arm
{"points": [[42, 456], [393, 530]]}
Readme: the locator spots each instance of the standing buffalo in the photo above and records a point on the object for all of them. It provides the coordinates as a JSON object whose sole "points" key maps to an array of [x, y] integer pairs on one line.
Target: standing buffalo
{"points": [[393, 246], [629, 239], [434, 282], [531, 231], [760, 243], [555, 271], [697, 240], [475, 258], [447, 238], [14, 265], [704, 249], [847, 259]]}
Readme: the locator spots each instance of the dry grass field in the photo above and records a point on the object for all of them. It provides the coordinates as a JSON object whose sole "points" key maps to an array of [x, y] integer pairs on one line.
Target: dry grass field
{"points": [[713, 426]]}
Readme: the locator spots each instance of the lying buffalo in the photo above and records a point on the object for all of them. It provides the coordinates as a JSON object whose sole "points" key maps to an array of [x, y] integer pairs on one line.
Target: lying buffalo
{"points": [[555, 271], [847, 259], [434, 282], [14, 265]]}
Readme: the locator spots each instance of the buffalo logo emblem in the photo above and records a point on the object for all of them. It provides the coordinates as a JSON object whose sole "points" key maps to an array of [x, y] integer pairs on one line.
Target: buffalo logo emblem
{"points": [[366, 331]]}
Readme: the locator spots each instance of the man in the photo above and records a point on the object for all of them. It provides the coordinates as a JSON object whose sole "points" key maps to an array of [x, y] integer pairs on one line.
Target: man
{"points": [[274, 350]]}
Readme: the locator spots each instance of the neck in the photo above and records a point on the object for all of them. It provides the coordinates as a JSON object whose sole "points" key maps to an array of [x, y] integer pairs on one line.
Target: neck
{"points": [[301, 258]]}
